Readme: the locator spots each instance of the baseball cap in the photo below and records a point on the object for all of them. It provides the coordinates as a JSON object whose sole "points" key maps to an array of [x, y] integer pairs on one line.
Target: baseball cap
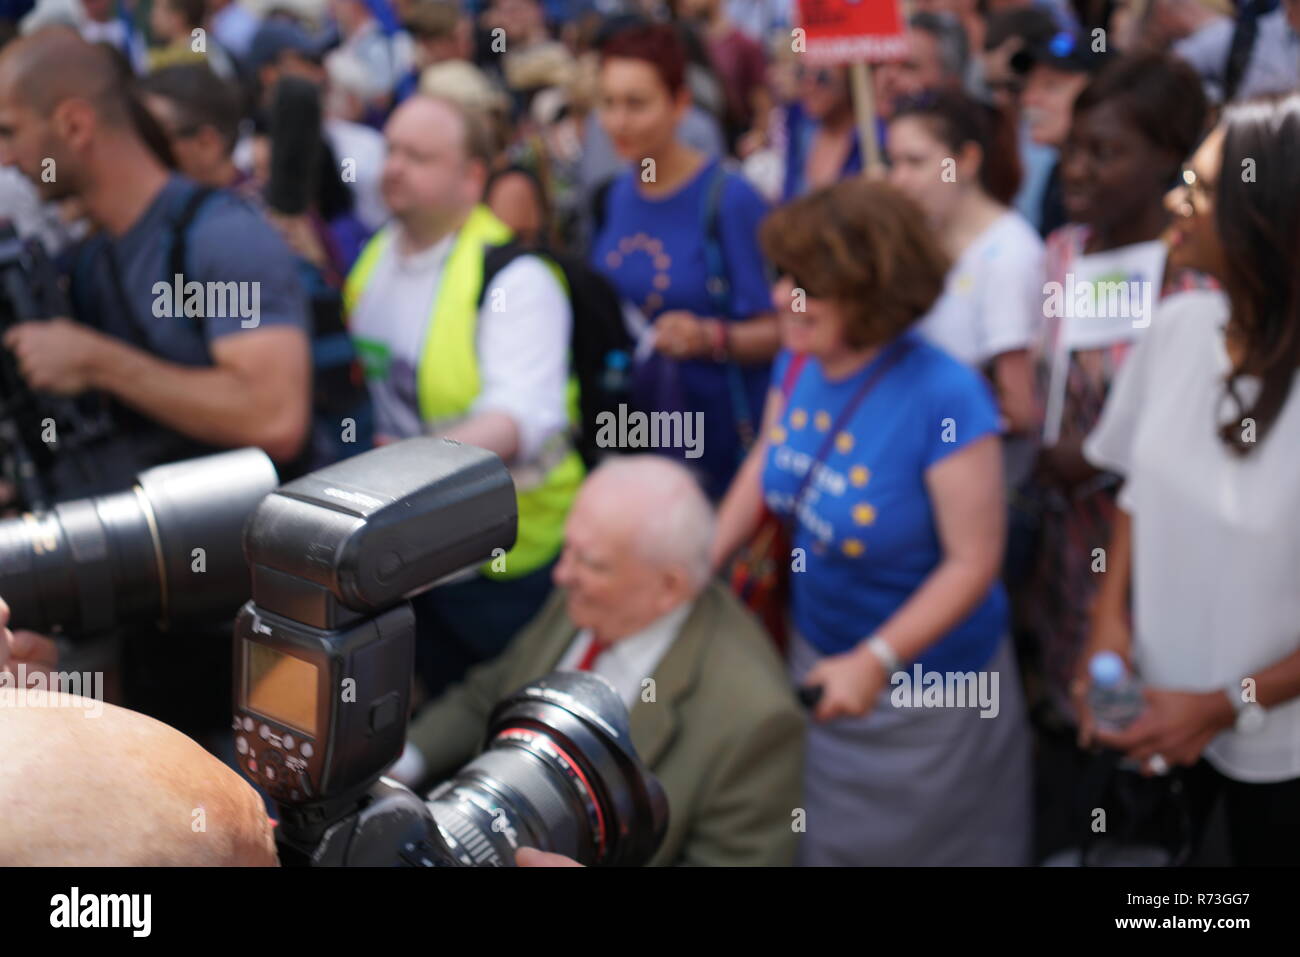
{"points": [[1064, 51], [275, 37]]}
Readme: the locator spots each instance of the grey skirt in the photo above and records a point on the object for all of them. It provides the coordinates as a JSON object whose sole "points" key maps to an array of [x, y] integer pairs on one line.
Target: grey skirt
{"points": [[909, 785]]}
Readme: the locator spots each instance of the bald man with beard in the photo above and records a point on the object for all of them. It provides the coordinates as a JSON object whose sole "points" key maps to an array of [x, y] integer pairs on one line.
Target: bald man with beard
{"points": [[84, 783], [179, 385], [72, 126]]}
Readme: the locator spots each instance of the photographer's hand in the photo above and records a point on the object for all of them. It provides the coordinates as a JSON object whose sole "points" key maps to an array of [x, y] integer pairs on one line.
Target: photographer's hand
{"points": [[531, 857], [54, 355], [410, 768], [37, 652]]}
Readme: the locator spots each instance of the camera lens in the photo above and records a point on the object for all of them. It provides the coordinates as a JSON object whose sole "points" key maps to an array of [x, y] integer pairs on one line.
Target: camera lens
{"points": [[559, 774], [169, 548]]}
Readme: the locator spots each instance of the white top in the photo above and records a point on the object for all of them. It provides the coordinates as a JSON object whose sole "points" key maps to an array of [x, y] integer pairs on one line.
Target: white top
{"points": [[1104, 298], [626, 664], [1216, 538], [359, 153], [992, 298], [523, 342]]}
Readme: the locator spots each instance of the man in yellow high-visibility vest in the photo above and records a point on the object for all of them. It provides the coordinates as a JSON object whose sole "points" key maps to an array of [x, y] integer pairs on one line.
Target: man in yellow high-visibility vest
{"points": [[488, 367]]}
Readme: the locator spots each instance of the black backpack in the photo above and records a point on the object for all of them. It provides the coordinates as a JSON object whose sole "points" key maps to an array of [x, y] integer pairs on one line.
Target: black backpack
{"points": [[600, 348]]}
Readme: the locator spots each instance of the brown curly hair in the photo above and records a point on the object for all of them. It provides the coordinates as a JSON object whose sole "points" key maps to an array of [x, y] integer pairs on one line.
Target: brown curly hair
{"points": [[865, 246]]}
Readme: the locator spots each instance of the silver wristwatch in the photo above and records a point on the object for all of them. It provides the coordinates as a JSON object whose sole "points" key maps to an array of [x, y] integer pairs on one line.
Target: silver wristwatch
{"points": [[1250, 714]]}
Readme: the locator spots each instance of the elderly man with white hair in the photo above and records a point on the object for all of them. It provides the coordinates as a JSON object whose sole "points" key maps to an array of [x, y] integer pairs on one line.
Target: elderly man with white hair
{"points": [[712, 713]]}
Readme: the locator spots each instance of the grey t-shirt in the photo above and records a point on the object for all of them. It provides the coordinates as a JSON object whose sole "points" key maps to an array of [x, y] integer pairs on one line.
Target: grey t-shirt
{"points": [[236, 266], [227, 242]]}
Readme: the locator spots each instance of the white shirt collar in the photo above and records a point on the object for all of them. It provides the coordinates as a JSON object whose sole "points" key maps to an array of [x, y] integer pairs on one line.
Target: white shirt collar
{"points": [[630, 662]]}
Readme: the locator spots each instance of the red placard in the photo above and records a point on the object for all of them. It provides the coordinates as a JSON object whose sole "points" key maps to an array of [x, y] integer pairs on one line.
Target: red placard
{"points": [[849, 31]]}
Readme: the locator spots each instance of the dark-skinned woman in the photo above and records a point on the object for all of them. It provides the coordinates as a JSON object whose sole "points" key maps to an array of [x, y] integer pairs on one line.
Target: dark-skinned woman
{"points": [[1133, 126]]}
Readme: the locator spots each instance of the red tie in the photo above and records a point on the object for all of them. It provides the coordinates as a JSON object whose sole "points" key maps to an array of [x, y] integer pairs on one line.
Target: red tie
{"points": [[594, 651]]}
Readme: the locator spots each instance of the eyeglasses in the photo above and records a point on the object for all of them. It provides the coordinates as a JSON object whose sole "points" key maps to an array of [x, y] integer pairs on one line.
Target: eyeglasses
{"points": [[821, 77], [1196, 188], [182, 132]]}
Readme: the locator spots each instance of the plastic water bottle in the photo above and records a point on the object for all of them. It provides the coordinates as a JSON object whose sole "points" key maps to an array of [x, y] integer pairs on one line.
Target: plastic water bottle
{"points": [[614, 377], [1116, 696]]}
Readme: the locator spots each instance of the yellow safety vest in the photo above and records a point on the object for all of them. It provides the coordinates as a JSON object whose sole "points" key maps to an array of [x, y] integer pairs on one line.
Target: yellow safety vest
{"points": [[447, 382]]}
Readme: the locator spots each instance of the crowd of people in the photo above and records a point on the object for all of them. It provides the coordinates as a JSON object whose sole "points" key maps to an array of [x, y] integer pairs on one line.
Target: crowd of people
{"points": [[1014, 395]]}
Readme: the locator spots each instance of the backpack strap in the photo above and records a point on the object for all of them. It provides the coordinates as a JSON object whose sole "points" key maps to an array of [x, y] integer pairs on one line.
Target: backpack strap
{"points": [[1242, 47], [180, 226], [497, 258], [1239, 54], [600, 207], [715, 262], [718, 285]]}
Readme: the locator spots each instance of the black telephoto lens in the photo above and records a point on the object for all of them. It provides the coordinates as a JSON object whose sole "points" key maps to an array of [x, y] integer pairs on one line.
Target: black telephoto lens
{"points": [[169, 548], [559, 774]]}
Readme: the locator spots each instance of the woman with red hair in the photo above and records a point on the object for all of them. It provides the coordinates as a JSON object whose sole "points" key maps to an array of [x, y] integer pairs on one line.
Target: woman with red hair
{"points": [[679, 242]]}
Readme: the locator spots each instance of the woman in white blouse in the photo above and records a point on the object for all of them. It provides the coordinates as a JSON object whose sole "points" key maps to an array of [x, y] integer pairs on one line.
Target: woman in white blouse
{"points": [[1204, 424]]}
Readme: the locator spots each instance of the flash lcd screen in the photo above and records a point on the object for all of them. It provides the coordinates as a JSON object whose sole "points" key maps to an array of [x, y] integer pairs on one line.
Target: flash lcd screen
{"points": [[280, 687]]}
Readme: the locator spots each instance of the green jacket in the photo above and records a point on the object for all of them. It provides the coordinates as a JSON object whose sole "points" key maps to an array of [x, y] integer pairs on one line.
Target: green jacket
{"points": [[724, 734]]}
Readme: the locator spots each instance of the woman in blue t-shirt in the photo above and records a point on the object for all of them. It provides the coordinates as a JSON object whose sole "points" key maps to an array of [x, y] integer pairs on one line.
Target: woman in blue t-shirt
{"points": [[882, 452], [678, 240]]}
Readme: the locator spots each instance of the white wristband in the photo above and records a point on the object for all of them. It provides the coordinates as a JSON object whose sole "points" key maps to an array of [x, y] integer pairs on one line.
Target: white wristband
{"points": [[886, 655]]}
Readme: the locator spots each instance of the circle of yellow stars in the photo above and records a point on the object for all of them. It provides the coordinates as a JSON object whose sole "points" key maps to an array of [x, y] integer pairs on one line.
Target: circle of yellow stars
{"points": [[662, 262], [863, 513]]}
